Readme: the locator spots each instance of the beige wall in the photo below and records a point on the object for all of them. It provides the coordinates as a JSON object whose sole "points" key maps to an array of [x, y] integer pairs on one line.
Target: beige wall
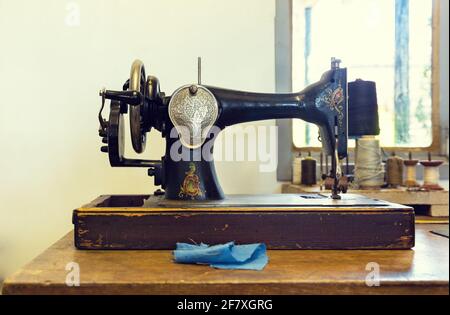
{"points": [[50, 74]]}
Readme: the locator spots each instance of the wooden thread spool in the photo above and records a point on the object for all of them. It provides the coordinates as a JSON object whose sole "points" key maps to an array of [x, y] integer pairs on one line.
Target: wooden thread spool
{"points": [[309, 171], [410, 171], [297, 170], [410, 167], [394, 171], [431, 173]]}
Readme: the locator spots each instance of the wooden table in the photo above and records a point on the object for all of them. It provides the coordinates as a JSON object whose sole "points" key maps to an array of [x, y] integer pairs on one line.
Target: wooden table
{"points": [[423, 270]]}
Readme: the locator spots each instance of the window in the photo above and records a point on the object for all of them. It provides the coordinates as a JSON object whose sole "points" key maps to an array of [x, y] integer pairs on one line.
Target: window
{"points": [[386, 41]]}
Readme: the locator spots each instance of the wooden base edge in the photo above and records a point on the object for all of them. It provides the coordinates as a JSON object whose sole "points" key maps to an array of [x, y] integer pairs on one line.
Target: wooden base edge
{"points": [[280, 230]]}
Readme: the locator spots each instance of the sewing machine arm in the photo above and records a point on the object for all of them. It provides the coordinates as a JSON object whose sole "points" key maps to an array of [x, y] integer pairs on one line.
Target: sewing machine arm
{"points": [[322, 103]]}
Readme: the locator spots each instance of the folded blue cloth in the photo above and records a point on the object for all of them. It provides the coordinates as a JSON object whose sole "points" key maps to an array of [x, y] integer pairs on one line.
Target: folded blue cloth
{"points": [[223, 256]]}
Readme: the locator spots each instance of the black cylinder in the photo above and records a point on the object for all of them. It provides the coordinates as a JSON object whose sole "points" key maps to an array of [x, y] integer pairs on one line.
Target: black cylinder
{"points": [[308, 171], [362, 109]]}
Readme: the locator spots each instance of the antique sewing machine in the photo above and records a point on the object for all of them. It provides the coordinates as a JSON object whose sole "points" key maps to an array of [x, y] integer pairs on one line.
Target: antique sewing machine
{"points": [[192, 207]]}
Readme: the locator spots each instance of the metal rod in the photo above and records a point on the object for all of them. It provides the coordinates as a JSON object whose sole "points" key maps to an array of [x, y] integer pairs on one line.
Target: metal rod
{"points": [[346, 166], [199, 70], [321, 163], [335, 189]]}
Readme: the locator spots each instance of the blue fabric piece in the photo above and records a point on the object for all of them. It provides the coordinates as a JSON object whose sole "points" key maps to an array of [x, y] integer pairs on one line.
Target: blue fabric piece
{"points": [[223, 256]]}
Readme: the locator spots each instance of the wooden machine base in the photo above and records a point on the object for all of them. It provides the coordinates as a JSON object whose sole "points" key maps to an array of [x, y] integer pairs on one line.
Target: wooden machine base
{"points": [[283, 221]]}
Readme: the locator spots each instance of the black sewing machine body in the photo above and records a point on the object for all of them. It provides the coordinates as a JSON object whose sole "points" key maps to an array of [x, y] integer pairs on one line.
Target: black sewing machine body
{"points": [[191, 118], [193, 207]]}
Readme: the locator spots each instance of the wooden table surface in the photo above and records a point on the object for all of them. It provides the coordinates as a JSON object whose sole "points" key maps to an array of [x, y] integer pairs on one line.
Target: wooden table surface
{"points": [[423, 270]]}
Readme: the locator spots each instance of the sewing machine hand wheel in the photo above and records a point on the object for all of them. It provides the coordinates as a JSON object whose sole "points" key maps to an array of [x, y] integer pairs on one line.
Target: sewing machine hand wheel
{"points": [[140, 98], [137, 84]]}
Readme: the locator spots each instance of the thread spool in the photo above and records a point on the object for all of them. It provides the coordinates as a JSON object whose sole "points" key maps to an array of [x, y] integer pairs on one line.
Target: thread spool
{"points": [[362, 109], [369, 171], [394, 171], [431, 174], [410, 171], [297, 169], [309, 171]]}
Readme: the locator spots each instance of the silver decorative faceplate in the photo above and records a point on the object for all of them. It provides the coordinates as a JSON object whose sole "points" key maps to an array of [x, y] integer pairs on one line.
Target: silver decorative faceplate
{"points": [[193, 110]]}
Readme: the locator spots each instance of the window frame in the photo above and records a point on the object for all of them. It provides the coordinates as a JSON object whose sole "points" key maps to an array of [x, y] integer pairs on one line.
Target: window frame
{"points": [[435, 145]]}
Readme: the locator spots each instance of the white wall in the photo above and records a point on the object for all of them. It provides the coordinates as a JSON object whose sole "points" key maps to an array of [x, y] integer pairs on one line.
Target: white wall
{"points": [[50, 74]]}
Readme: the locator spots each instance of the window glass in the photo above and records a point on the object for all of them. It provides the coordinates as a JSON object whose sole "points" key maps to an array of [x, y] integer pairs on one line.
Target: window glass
{"points": [[362, 33]]}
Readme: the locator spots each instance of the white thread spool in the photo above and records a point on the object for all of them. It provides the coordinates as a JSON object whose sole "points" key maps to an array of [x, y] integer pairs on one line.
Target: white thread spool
{"points": [[410, 172], [369, 171], [431, 174], [297, 170]]}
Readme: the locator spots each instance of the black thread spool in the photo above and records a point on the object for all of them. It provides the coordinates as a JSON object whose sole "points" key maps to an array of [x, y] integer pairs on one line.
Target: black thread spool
{"points": [[309, 171], [362, 109]]}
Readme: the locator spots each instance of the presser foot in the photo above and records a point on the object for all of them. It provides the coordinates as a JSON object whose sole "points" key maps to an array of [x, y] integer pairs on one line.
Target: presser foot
{"points": [[336, 196]]}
